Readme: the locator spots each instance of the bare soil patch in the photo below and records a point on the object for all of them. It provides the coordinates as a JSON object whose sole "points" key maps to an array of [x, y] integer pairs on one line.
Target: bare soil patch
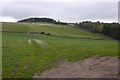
{"points": [[94, 67]]}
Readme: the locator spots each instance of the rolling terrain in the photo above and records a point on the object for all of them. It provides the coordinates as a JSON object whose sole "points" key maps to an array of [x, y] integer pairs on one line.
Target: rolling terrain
{"points": [[23, 57], [53, 29]]}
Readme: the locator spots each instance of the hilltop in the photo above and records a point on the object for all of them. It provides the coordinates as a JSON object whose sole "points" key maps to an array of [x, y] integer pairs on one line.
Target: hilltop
{"points": [[37, 20]]}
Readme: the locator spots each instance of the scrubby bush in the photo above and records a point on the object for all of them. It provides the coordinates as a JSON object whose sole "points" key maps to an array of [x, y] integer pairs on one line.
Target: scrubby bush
{"points": [[48, 33], [42, 33]]}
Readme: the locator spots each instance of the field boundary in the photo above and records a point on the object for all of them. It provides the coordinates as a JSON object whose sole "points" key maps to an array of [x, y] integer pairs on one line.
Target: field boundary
{"points": [[48, 34]]}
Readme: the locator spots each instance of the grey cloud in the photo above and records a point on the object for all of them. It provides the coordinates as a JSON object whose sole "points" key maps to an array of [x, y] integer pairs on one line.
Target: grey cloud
{"points": [[77, 11]]}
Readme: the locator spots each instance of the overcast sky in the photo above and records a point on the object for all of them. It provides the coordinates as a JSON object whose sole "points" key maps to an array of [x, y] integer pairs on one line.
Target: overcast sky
{"points": [[63, 10]]}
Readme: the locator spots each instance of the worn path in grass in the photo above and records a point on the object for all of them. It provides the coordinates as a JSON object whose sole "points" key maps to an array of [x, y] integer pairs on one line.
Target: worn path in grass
{"points": [[95, 67]]}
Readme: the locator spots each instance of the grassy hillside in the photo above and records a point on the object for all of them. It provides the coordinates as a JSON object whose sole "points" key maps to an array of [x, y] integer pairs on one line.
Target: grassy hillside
{"points": [[14, 27], [23, 59], [54, 29]]}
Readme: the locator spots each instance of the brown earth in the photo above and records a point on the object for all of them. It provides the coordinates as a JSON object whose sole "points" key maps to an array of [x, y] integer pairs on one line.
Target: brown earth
{"points": [[94, 67]]}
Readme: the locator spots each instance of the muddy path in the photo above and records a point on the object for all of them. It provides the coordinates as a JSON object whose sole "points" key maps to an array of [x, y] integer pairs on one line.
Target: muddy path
{"points": [[94, 67]]}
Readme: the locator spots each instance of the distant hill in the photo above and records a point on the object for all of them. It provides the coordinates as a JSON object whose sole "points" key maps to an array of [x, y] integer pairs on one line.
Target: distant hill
{"points": [[49, 20], [109, 29], [38, 20]]}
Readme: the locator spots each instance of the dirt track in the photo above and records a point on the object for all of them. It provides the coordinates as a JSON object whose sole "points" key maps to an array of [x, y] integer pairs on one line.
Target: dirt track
{"points": [[95, 67]]}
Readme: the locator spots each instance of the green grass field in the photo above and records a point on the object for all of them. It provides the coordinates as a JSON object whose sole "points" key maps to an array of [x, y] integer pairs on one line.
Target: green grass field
{"points": [[22, 59], [54, 29]]}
